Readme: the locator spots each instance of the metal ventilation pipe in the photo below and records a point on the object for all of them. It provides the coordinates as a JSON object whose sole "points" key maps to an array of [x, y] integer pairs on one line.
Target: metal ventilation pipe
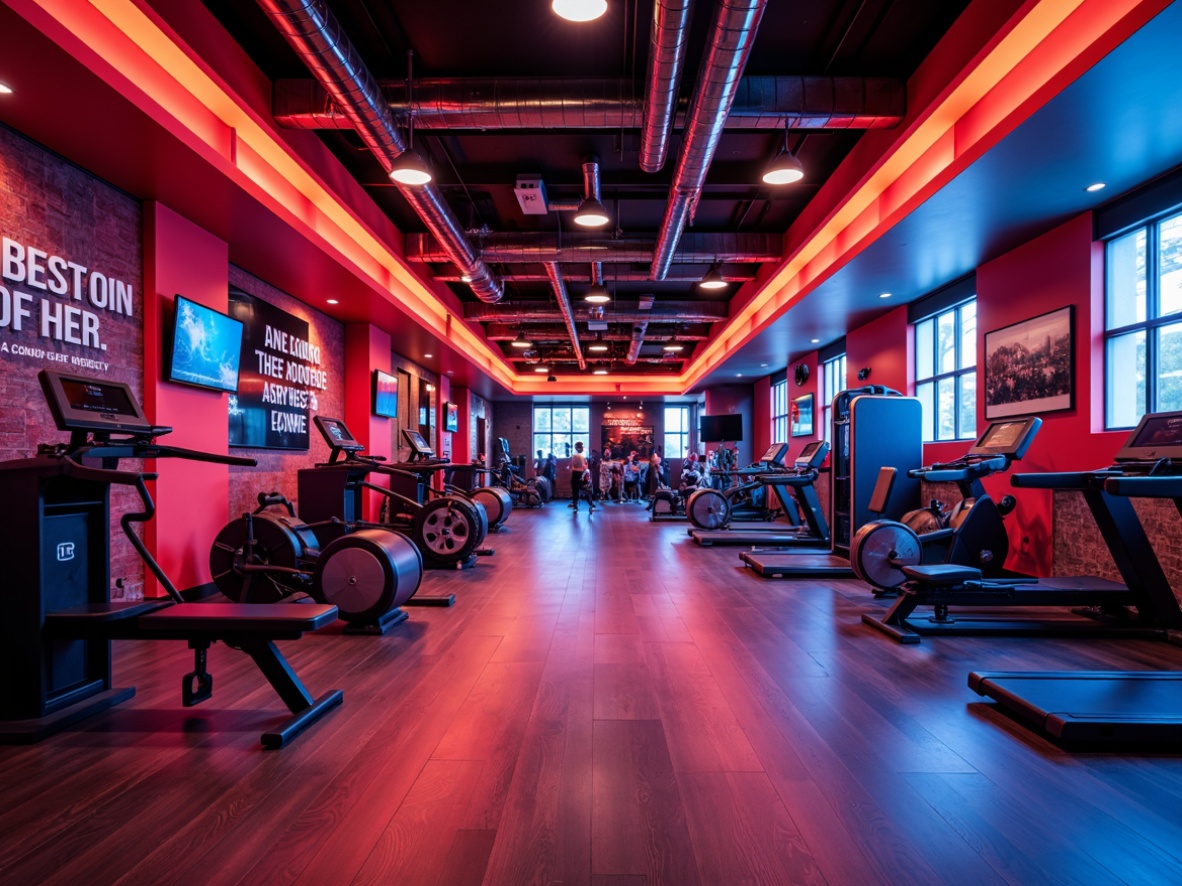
{"points": [[638, 332], [568, 316], [527, 247], [316, 36], [731, 37], [591, 192], [666, 59]]}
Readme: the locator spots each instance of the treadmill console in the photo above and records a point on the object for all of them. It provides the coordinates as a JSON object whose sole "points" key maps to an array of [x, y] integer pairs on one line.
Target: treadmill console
{"points": [[336, 435], [812, 456], [1157, 436], [419, 450], [85, 404], [775, 455], [1007, 438]]}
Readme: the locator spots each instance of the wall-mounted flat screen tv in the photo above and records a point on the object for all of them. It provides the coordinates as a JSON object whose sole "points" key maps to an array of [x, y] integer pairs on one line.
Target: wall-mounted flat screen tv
{"points": [[452, 417], [385, 394], [720, 428], [206, 347]]}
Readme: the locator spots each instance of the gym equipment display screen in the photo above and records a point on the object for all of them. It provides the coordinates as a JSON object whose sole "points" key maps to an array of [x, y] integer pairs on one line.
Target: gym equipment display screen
{"points": [[720, 428], [385, 394], [336, 434], [417, 443], [80, 403], [206, 347], [1159, 435]]}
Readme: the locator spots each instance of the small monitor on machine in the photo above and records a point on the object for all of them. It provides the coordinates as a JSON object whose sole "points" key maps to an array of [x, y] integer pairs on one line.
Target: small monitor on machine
{"points": [[78, 403], [775, 455], [1009, 438], [417, 444], [812, 455], [1157, 435], [336, 434]]}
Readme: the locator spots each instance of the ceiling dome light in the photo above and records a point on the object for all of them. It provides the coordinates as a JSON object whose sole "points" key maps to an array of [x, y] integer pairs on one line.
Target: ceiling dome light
{"points": [[409, 169], [1098, 186], [885, 295], [597, 296], [333, 301], [520, 342], [673, 348], [591, 214], [579, 10], [713, 279], [786, 169], [599, 372]]}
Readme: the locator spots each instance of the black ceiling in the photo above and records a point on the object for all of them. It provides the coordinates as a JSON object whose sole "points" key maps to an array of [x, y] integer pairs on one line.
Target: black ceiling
{"points": [[477, 170]]}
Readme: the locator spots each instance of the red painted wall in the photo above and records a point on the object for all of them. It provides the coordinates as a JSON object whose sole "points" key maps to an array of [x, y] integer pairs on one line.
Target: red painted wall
{"points": [[367, 348], [192, 497], [761, 415], [884, 347]]}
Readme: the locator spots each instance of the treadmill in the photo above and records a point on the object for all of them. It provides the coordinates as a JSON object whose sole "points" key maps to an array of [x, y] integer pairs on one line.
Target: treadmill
{"points": [[800, 480], [873, 427], [1108, 707]]}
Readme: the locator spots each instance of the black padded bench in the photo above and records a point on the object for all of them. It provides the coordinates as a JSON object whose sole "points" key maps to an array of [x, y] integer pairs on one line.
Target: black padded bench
{"points": [[252, 628]]}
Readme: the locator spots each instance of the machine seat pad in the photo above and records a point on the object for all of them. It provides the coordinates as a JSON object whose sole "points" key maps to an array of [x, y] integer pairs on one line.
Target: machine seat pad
{"points": [[96, 613], [244, 619], [942, 573]]}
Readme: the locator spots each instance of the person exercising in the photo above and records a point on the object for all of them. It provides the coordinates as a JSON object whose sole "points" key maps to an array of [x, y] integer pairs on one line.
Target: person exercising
{"points": [[578, 464]]}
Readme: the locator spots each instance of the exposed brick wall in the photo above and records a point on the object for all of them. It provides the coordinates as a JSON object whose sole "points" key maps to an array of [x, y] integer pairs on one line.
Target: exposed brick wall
{"points": [[277, 468], [481, 408], [513, 420], [1079, 549], [54, 206]]}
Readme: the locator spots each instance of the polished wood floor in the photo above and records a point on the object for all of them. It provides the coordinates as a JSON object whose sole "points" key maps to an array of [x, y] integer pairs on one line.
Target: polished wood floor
{"points": [[605, 704]]}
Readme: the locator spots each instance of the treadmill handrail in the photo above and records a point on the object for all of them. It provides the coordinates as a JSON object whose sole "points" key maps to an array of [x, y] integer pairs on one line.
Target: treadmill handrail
{"points": [[1145, 487]]}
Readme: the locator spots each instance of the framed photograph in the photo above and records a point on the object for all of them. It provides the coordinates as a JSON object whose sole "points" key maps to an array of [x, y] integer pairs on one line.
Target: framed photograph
{"points": [[1030, 366], [802, 416]]}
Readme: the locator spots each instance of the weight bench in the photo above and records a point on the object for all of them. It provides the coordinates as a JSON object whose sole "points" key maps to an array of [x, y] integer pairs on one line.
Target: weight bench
{"points": [[252, 628]]}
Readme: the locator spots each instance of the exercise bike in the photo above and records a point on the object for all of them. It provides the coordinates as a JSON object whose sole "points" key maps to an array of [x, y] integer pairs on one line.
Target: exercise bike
{"points": [[972, 534], [709, 508]]}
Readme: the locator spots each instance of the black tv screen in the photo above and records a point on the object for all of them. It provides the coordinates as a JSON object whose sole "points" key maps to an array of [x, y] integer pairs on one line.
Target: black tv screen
{"points": [[206, 347], [720, 428], [385, 394]]}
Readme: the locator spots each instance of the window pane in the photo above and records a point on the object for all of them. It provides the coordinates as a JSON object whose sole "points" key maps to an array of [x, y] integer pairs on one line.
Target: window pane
{"points": [[542, 442], [924, 393], [672, 420], [968, 335], [1169, 368], [1125, 292], [581, 419], [946, 342], [1170, 250], [946, 409], [968, 404], [827, 423], [562, 445], [839, 379], [585, 439], [1125, 393], [925, 349], [541, 419], [560, 421]]}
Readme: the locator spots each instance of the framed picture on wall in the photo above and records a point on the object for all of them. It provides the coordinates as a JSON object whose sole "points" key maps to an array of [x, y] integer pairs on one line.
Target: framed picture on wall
{"points": [[453, 417], [1030, 366], [802, 416]]}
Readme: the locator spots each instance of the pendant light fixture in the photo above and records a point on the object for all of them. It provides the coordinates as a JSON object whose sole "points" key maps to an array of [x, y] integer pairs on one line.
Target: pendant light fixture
{"points": [[786, 169], [591, 214], [408, 167], [598, 295], [713, 279], [520, 342], [579, 10]]}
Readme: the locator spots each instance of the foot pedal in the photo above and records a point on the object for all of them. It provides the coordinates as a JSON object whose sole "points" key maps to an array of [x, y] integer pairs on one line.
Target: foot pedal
{"points": [[484, 552]]}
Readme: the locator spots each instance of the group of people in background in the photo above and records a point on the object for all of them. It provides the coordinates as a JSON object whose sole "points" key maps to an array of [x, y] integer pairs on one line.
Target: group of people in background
{"points": [[629, 477]]}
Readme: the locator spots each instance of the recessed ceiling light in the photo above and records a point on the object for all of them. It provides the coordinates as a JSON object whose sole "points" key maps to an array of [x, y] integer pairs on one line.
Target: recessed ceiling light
{"points": [[599, 372], [885, 295], [333, 301], [451, 372], [673, 348], [541, 369], [599, 347], [5, 89], [465, 278], [763, 366], [815, 341], [739, 374], [579, 10], [1097, 186], [428, 356]]}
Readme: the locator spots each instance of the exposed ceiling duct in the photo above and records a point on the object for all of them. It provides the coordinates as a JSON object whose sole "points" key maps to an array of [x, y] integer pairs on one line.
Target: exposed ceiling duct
{"points": [[591, 192], [578, 274], [554, 332], [580, 247], [666, 59], [638, 331], [506, 103], [621, 312], [316, 36], [732, 34], [568, 317]]}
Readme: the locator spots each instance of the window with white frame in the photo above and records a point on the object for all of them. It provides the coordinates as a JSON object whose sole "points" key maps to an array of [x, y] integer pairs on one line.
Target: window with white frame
{"points": [[832, 384], [1143, 322], [676, 431], [780, 411], [946, 372], [558, 428]]}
